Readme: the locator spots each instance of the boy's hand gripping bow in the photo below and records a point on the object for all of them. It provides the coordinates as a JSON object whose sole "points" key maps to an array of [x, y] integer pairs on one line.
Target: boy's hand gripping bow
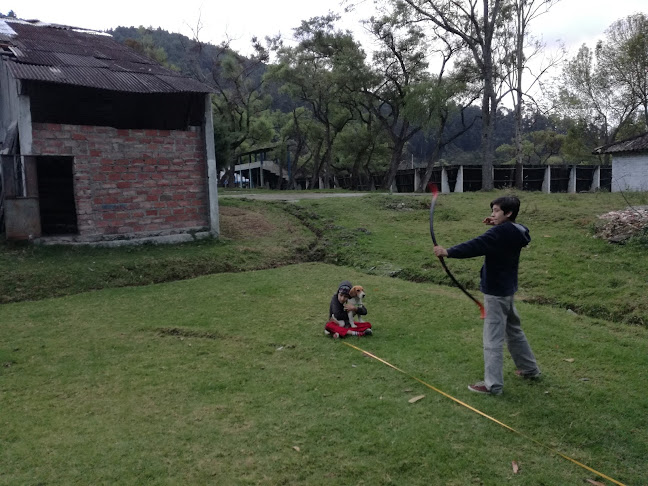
{"points": [[435, 195]]}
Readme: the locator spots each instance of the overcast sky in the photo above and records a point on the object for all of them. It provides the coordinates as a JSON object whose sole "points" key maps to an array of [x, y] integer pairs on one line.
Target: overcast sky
{"points": [[572, 21]]}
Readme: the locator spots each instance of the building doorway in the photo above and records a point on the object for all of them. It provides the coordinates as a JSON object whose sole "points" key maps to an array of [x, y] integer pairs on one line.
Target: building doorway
{"points": [[56, 195]]}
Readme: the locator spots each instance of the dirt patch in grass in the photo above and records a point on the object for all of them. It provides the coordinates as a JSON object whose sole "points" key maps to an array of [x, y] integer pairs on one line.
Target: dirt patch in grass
{"points": [[189, 333], [240, 224]]}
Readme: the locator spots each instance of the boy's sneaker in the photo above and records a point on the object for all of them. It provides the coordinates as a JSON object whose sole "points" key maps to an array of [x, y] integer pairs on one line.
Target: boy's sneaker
{"points": [[530, 376], [480, 387], [368, 332]]}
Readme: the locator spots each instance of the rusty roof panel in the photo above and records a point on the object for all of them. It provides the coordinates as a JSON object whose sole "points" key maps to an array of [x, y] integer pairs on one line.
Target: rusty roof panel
{"points": [[61, 54]]}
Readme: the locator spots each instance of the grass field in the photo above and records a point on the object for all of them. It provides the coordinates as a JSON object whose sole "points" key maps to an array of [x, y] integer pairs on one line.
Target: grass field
{"points": [[228, 378]]}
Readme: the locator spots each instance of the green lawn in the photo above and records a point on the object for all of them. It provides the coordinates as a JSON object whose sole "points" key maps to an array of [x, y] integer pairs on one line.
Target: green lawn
{"points": [[206, 363], [228, 379]]}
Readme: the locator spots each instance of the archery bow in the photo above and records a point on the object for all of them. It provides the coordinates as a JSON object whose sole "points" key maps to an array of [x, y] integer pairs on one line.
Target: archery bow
{"points": [[435, 195]]}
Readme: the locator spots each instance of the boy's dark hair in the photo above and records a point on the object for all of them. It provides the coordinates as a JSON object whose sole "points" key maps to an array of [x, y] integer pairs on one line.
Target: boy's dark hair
{"points": [[508, 204]]}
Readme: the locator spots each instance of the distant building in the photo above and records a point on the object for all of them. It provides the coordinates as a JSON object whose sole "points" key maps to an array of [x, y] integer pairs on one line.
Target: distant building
{"points": [[629, 163], [99, 143]]}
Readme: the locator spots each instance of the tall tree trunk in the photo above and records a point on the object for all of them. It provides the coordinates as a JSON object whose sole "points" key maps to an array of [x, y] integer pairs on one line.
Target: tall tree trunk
{"points": [[397, 154], [489, 101], [519, 66], [488, 131], [317, 166], [429, 168]]}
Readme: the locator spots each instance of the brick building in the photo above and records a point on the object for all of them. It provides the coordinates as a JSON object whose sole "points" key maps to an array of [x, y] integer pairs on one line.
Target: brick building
{"points": [[99, 143]]}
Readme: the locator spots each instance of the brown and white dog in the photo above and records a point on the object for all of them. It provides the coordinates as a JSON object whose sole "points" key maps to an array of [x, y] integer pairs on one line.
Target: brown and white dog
{"points": [[356, 294]]}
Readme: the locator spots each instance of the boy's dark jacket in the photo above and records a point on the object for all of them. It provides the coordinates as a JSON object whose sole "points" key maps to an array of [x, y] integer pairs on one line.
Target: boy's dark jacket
{"points": [[501, 246], [336, 309]]}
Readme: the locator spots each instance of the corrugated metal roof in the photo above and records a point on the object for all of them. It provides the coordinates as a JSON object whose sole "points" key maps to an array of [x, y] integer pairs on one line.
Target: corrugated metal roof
{"points": [[63, 55], [76, 60], [630, 145]]}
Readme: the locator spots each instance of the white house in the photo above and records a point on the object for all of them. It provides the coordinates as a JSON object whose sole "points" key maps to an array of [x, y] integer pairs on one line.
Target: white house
{"points": [[629, 163]]}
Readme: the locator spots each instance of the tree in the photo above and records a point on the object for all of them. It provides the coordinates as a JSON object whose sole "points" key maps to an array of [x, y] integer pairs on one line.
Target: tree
{"points": [[321, 73], [399, 65], [240, 104], [537, 148], [444, 97], [478, 24], [294, 147], [147, 46], [362, 150], [588, 93], [525, 48], [623, 55]]}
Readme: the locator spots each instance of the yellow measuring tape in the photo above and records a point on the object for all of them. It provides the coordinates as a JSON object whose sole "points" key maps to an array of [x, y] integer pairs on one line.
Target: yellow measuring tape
{"points": [[463, 404]]}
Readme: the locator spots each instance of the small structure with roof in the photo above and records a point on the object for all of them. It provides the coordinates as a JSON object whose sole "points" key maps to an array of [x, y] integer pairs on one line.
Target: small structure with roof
{"points": [[629, 163], [99, 143]]}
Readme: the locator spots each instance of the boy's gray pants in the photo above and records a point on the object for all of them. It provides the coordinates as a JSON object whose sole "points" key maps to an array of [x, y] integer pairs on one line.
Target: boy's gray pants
{"points": [[502, 323]]}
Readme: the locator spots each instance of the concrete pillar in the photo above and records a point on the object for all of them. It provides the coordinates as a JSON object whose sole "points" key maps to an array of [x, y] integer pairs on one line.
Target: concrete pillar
{"points": [[212, 174], [546, 183], [417, 179], [459, 186], [445, 186], [596, 180], [572, 180], [25, 125]]}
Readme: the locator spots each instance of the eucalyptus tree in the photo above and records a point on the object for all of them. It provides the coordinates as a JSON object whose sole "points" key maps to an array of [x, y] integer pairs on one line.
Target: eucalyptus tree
{"points": [[479, 25], [321, 73]]}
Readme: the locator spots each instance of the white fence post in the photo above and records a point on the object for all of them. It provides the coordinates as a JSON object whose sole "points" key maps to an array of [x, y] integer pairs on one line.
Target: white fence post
{"points": [[459, 185], [445, 187], [572, 180], [596, 180], [546, 183]]}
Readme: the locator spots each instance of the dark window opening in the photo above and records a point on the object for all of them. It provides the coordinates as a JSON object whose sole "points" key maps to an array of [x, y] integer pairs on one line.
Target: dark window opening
{"points": [[75, 105], [56, 195]]}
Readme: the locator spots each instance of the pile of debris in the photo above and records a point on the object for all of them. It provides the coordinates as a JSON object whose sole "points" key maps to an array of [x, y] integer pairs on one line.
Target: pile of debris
{"points": [[618, 226]]}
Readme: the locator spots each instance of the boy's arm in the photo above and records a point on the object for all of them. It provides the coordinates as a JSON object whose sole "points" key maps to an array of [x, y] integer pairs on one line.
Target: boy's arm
{"points": [[479, 246], [338, 310], [358, 309]]}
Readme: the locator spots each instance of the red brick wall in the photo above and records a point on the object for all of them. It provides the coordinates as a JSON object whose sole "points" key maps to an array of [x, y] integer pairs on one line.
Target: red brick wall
{"points": [[132, 181]]}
